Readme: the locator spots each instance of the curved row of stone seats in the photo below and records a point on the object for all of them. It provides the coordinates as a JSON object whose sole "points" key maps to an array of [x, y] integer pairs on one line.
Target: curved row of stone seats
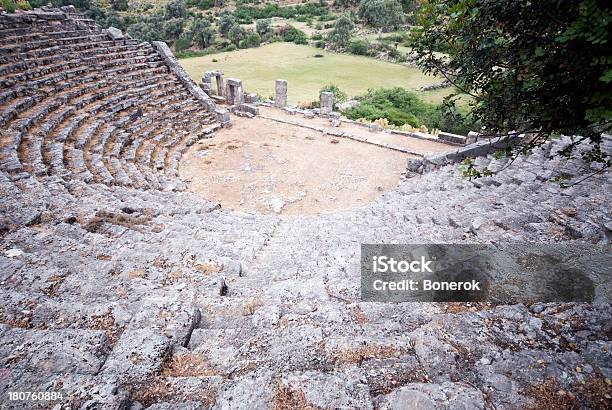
{"points": [[78, 104]]}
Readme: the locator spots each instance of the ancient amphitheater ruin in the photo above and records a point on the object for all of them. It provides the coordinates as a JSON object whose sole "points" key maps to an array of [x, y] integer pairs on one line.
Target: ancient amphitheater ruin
{"points": [[122, 288]]}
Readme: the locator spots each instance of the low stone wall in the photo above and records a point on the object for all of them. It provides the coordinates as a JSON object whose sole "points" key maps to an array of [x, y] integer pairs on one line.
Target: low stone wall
{"points": [[478, 149]]}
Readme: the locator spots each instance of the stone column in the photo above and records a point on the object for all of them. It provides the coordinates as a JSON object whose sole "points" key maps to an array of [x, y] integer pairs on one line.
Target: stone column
{"points": [[207, 82], [326, 103], [280, 99], [219, 78], [234, 93]]}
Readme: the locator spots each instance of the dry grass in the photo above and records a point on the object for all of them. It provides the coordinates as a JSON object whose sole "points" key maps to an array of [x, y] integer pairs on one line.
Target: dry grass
{"points": [[188, 365], [593, 393], [121, 219], [358, 315], [251, 306], [106, 322], [209, 268], [461, 307], [286, 398], [360, 354]]}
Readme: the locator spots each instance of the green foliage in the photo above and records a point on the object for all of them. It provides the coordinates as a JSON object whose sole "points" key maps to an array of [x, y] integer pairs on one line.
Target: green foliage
{"points": [[201, 4], [175, 9], [148, 28], [192, 53], [173, 29], [291, 34], [202, 33], [396, 104], [226, 22], [401, 107], [531, 67], [385, 14], [247, 14], [359, 47], [120, 5], [8, 5], [346, 3], [231, 47], [339, 95], [251, 40], [263, 26], [236, 34], [182, 43], [340, 37]]}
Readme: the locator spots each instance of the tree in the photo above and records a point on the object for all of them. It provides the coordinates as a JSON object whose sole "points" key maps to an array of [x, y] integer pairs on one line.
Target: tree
{"points": [[340, 36], [202, 33], [385, 14], [175, 9], [226, 22], [263, 26], [173, 29], [537, 68], [346, 3], [236, 34], [251, 40]]}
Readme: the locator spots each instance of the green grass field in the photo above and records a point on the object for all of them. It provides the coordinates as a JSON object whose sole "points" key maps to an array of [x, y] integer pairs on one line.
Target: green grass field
{"points": [[306, 74]]}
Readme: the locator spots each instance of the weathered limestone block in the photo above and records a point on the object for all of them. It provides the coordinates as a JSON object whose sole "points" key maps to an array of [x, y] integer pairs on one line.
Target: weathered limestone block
{"points": [[452, 138], [114, 33], [54, 352], [250, 108], [280, 99], [233, 92], [139, 353], [251, 98], [472, 137], [223, 117], [326, 102]]}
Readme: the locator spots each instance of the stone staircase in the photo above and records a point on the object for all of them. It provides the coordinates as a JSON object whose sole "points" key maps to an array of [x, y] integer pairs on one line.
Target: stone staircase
{"points": [[170, 301], [77, 104]]}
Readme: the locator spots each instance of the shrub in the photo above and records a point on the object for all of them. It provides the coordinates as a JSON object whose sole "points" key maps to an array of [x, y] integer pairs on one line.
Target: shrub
{"points": [[237, 34], [359, 47], [226, 22], [339, 95], [340, 36], [292, 34], [317, 36], [251, 40], [395, 104], [197, 53], [182, 43], [202, 32], [402, 107], [175, 9], [320, 44], [230, 47], [386, 14], [8, 5], [263, 26], [201, 4]]}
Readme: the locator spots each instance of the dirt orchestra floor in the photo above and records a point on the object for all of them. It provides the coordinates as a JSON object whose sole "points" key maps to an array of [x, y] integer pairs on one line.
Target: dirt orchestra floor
{"points": [[266, 166]]}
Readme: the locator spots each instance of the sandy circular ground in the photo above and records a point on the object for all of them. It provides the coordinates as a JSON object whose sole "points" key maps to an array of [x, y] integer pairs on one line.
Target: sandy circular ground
{"points": [[264, 166]]}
